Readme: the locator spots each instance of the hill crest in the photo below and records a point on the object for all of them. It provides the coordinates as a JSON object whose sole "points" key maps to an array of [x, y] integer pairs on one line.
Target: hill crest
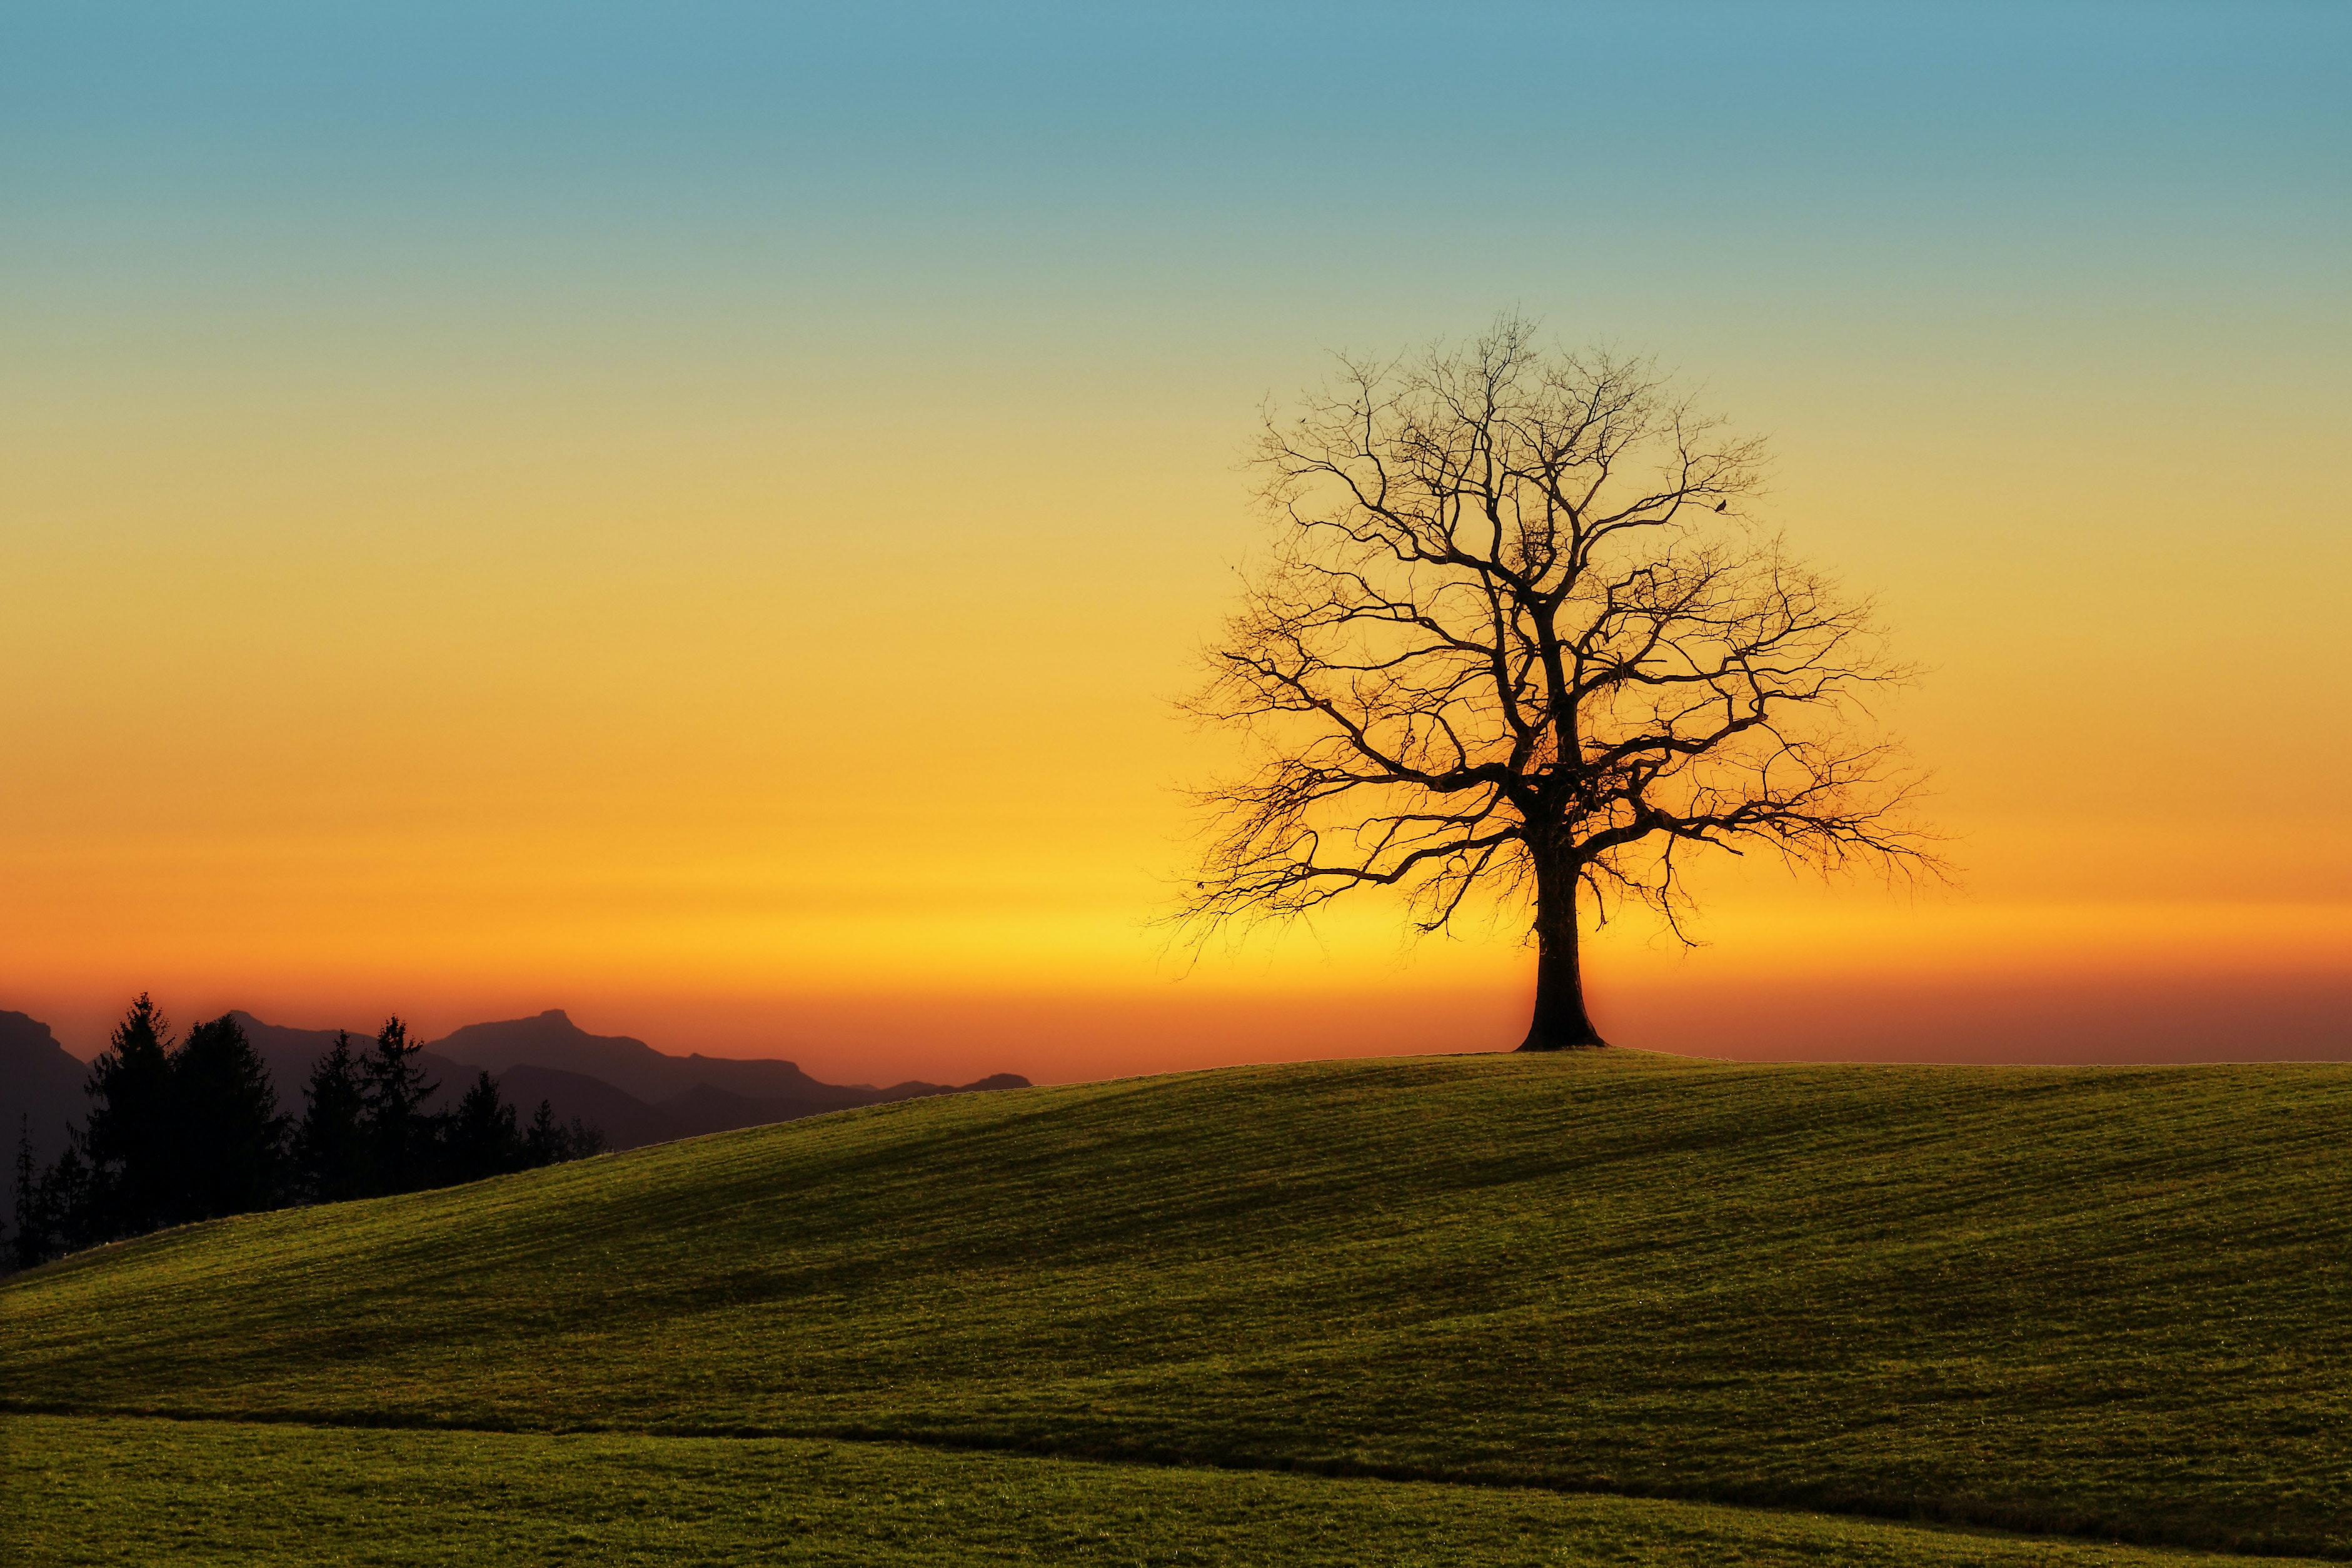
{"points": [[2105, 1301]]}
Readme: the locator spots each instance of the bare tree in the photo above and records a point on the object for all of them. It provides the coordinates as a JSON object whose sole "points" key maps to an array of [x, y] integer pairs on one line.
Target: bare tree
{"points": [[1515, 638]]}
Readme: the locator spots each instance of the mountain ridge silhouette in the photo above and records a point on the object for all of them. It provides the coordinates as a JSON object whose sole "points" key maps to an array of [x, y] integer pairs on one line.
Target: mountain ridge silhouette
{"points": [[706, 1090], [40, 1092], [630, 1091]]}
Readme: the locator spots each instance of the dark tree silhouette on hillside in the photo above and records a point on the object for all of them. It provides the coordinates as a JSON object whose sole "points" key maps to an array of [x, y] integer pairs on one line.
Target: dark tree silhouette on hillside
{"points": [[231, 1140], [331, 1151], [1515, 638], [196, 1133], [30, 1242], [131, 1138], [482, 1139], [548, 1141], [403, 1137], [543, 1140], [62, 1213]]}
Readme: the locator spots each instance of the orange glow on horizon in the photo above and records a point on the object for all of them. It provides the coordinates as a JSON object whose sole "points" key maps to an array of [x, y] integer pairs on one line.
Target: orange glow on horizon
{"points": [[723, 573]]}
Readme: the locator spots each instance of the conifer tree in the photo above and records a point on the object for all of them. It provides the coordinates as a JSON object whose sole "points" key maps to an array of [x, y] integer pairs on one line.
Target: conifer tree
{"points": [[542, 1143], [132, 1183], [550, 1143], [30, 1245], [66, 1213], [401, 1137], [482, 1137], [231, 1140], [331, 1151]]}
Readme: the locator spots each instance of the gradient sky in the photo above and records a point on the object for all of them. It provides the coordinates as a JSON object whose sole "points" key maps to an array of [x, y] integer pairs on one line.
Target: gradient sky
{"points": [[692, 514]]}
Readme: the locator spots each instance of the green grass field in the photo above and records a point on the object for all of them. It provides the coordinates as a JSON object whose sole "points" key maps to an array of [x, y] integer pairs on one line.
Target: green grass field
{"points": [[212, 1492], [2109, 1303]]}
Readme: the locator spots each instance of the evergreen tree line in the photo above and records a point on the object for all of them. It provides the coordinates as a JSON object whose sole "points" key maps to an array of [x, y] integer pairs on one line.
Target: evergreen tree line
{"points": [[193, 1131]]}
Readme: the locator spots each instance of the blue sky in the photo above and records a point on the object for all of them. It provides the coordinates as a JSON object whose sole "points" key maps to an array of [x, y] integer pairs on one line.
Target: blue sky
{"points": [[562, 401]]}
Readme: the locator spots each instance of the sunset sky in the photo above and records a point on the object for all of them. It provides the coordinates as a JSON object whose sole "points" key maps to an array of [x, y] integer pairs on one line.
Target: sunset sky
{"points": [[694, 513]]}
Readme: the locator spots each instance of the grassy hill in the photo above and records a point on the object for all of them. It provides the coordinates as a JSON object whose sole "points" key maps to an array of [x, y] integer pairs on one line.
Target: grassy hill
{"points": [[2115, 1302], [109, 1491]]}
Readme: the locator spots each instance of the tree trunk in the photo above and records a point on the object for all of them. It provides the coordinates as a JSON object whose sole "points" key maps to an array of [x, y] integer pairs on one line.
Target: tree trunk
{"points": [[1559, 1022]]}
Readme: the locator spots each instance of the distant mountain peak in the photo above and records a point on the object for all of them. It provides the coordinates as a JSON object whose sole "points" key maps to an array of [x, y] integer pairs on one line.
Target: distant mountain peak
{"points": [[636, 1093], [753, 1090]]}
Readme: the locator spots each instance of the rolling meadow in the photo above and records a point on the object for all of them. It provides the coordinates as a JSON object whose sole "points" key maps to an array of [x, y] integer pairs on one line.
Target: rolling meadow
{"points": [[1578, 1308]]}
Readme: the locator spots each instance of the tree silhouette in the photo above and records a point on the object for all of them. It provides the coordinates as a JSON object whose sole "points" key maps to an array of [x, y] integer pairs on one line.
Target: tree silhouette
{"points": [[482, 1140], [543, 1140], [1515, 638], [196, 1132], [231, 1140], [130, 1137], [403, 1138], [332, 1150], [548, 1141], [66, 1213], [30, 1245]]}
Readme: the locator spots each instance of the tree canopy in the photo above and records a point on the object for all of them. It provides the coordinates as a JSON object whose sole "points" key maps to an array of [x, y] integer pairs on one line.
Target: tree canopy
{"points": [[1519, 637]]}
